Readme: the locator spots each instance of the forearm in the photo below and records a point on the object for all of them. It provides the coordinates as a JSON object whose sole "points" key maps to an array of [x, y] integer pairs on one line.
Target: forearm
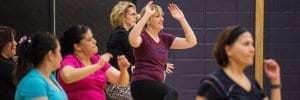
{"points": [[73, 75], [137, 30], [123, 78], [188, 32], [276, 94]]}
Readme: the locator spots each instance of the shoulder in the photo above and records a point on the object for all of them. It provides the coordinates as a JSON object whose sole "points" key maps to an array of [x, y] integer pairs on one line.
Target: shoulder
{"points": [[32, 79]]}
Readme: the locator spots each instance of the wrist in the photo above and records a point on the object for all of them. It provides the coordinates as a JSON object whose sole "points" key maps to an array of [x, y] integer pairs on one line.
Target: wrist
{"points": [[275, 86]]}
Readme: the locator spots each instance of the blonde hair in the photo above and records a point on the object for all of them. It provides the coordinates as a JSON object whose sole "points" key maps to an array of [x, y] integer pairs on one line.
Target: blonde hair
{"points": [[119, 12], [157, 8]]}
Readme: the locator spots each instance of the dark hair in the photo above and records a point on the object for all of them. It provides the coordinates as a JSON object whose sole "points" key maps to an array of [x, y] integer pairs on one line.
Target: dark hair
{"points": [[32, 51], [71, 36], [227, 37], [6, 35]]}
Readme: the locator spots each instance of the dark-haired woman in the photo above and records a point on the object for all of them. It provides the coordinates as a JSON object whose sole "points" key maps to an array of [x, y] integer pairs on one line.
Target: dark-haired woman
{"points": [[234, 51], [39, 56], [8, 50], [83, 73]]}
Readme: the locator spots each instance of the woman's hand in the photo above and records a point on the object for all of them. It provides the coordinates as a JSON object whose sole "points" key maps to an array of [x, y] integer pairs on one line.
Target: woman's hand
{"points": [[169, 69], [176, 12], [272, 70], [123, 62], [104, 59], [149, 9]]}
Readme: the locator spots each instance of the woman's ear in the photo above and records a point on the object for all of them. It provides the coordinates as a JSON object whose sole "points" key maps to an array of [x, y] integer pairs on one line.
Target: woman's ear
{"points": [[50, 55], [228, 50], [77, 47]]}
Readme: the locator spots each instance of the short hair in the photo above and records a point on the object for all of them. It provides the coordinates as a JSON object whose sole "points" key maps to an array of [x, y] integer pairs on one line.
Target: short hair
{"points": [[119, 12], [6, 35], [157, 8], [227, 37]]}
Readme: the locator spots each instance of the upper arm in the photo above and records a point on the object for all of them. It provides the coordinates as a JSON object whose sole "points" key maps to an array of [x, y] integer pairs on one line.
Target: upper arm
{"points": [[65, 72], [180, 43], [112, 75], [34, 89], [135, 42]]}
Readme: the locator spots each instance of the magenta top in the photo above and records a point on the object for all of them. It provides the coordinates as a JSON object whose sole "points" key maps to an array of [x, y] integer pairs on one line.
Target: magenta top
{"points": [[89, 88]]}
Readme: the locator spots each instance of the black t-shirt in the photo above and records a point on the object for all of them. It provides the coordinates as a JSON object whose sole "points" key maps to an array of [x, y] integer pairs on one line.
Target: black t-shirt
{"points": [[7, 88], [218, 86], [118, 44]]}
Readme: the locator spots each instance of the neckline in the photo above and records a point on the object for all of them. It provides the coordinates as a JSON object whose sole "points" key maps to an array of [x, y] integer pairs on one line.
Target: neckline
{"points": [[232, 81], [156, 42]]}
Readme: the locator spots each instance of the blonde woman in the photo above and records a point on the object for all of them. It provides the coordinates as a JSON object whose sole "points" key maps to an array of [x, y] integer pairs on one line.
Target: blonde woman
{"points": [[151, 50]]}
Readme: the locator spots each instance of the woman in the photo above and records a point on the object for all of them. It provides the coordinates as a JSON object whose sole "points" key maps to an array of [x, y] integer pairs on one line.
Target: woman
{"points": [[39, 56], [151, 50], [122, 19], [8, 50], [83, 73], [234, 51]]}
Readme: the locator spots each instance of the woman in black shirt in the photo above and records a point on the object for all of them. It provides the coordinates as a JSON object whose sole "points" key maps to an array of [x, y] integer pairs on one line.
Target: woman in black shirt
{"points": [[234, 51], [122, 19], [8, 50]]}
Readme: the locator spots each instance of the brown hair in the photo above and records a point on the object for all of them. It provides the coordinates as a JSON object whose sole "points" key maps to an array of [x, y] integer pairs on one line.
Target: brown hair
{"points": [[227, 37], [119, 12], [6, 36]]}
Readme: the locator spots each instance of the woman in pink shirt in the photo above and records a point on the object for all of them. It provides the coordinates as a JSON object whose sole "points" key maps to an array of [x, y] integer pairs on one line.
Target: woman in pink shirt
{"points": [[83, 73]]}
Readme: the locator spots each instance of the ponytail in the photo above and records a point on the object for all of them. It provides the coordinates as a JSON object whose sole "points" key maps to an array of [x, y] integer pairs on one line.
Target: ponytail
{"points": [[24, 62]]}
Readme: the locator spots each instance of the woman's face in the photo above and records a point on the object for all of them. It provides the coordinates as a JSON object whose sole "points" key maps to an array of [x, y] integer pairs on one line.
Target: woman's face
{"points": [[88, 44], [9, 49], [242, 50], [156, 21], [130, 17]]}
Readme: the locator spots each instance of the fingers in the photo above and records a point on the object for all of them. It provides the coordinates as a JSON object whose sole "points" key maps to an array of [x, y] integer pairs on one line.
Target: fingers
{"points": [[123, 60], [106, 57], [150, 3], [271, 63]]}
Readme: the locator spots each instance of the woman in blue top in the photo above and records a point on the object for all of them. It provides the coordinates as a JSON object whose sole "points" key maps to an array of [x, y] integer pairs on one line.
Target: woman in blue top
{"points": [[39, 55]]}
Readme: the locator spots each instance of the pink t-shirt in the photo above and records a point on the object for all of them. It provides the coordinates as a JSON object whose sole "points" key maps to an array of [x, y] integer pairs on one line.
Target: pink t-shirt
{"points": [[89, 88]]}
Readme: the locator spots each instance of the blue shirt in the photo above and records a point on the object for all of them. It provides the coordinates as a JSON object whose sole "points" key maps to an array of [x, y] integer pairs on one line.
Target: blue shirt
{"points": [[34, 85]]}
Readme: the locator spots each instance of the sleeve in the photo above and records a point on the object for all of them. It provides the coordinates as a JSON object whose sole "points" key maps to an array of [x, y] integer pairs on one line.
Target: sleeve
{"points": [[168, 39], [33, 88], [207, 90], [68, 60]]}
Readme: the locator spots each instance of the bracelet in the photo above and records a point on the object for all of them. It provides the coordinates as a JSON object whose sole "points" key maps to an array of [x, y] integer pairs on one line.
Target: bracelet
{"points": [[275, 86]]}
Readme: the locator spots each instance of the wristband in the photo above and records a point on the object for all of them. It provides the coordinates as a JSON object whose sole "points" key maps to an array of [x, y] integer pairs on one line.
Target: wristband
{"points": [[275, 86]]}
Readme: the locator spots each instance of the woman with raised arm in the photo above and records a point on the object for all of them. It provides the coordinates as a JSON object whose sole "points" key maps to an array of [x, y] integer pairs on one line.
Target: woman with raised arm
{"points": [[234, 51], [83, 73], [151, 50]]}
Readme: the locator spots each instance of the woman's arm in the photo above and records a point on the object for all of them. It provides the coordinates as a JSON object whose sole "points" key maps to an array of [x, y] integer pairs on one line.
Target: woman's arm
{"points": [[70, 74], [190, 39], [134, 37], [272, 70], [120, 78]]}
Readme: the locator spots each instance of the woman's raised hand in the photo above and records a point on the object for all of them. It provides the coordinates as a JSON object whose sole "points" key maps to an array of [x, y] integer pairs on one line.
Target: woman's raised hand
{"points": [[175, 11], [272, 70], [149, 8]]}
